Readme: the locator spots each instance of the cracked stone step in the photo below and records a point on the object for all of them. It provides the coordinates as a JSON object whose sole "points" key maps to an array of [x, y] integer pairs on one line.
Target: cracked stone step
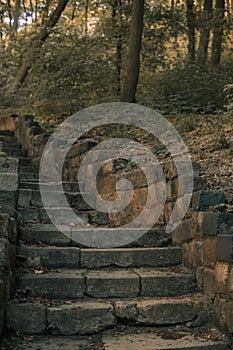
{"points": [[145, 341], [73, 284], [48, 234], [130, 257], [59, 257], [89, 316], [79, 318]]}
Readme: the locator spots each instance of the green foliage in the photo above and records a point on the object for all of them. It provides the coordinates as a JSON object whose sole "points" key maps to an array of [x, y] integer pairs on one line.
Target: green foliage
{"points": [[75, 69], [187, 88]]}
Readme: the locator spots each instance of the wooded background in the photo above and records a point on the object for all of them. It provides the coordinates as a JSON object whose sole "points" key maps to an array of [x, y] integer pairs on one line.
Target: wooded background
{"points": [[58, 56]]}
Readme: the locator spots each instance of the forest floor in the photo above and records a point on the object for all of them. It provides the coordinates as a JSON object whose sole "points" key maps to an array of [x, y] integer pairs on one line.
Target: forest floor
{"points": [[210, 143]]}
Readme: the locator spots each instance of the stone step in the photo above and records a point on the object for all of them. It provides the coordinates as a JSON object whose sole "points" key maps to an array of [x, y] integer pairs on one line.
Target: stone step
{"points": [[25, 161], [32, 198], [29, 177], [48, 234], [90, 316], [150, 341], [67, 186], [123, 283], [8, 143], [13, 152], [28, 169], [64, 257]]}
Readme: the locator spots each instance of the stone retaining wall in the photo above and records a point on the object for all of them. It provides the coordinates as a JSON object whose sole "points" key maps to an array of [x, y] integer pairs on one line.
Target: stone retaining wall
{"points": [[207, 244], [8, 237]]}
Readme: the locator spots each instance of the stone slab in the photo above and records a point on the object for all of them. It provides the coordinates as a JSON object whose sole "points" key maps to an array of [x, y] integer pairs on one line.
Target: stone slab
{"points": [[51, 257], [67, 284], [155, 283], [45, 234], [80, 318], [130, 257], [26, 318], [112, 284], [154, 312]]}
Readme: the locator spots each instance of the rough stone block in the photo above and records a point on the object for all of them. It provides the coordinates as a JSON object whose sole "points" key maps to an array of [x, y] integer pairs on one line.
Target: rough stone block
{"points": [[45, 234], [130, 257], [221, 276], [107, 284], [209, 282], [8, 202], [8, 182], [156, 312], [69, 284], [193, 254], [29, 215], [209, 252], [5, 255], [51, 257], [203, 200], [8, 165], [212, 224], [225, 248], [182, 233], [26, 318], [156, 283], [199, 278], [80, 318]]}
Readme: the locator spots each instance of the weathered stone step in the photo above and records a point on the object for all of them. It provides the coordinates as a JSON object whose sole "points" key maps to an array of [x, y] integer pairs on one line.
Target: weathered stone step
{"points": [[58, 257], [25, 161], [28, 169], [13, 152], [124, 283], [8, 143], [28, 198], [49, 235], [150, 341], [67, 186], [29, 177], [89, 316]]}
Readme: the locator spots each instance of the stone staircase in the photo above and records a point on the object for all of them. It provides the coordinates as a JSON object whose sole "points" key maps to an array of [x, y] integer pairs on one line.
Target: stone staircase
{"points": [[68, 296]]}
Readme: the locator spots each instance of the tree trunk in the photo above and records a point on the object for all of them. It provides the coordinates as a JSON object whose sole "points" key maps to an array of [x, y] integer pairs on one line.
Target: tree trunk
{"points": [[231, 11], [118, 6], [202, 52], [14, 27], [45, 12], [86, 16], [190, 17], [133, 65], [42, 36], [218, 32]]}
